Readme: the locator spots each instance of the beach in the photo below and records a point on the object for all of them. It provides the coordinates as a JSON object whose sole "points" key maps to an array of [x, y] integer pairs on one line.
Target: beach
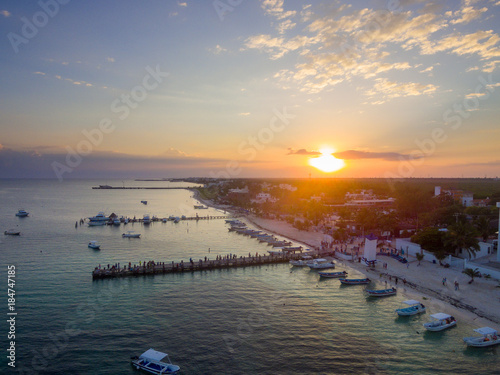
{"points": [[478, 302]]}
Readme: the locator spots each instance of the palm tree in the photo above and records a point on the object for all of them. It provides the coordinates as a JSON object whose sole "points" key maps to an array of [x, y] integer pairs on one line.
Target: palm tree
{"points": [[471, 273], [419, 256], [482, 224], [462, 236]]}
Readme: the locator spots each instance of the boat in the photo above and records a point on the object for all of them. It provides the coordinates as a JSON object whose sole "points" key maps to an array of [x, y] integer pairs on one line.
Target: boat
{"points": [[176, 219], [131, 234], [306, 259], [144, 202], [355, 281], [22, 213], [116, 221], [321, 263], [332, 275], [146, 219], [94, 245], [12, 232], [489, 337], [153, 362], [415, 308], [381, 292], [164, 220], [441, 321], [99, 217], [200, 207], [96, 223]]}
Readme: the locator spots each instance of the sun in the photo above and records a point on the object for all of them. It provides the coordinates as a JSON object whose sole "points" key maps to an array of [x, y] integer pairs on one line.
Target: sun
{"points": [[327, 162]]}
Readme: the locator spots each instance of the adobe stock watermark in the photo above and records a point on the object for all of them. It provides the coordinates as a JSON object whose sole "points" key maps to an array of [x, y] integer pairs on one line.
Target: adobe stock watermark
{"points": [[255, 143], [40, 19], [121, 107], [453, 119], [224, 7]]}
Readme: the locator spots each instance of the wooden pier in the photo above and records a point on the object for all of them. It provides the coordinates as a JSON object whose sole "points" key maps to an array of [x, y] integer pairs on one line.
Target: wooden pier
{"points": [[154, 268], [142, 187]]}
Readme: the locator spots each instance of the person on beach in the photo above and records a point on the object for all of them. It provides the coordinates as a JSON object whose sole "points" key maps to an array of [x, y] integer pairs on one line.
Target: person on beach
{"points": [[444, 281]]}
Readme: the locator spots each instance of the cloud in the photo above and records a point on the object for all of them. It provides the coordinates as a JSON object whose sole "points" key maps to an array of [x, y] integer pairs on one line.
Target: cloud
{"points": [[217, 50], [39, 73], [5, 13], [184, 4], [275, 8], [244, 114], [355, 155], [467, 14], [302, 151], [110, 59], [392, 89]]}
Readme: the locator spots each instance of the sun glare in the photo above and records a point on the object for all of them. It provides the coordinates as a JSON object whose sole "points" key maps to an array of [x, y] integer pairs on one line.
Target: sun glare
{"points": [[327, 162]]}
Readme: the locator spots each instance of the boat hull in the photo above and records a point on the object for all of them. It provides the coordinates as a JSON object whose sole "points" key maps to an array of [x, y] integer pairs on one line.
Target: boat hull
{"points": [[354, 281], [332, 275], [479, 342], [436, 328], [381, 293]]}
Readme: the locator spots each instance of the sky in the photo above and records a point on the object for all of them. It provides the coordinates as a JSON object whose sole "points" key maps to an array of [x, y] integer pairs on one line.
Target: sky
{"points": [[240, 88]]}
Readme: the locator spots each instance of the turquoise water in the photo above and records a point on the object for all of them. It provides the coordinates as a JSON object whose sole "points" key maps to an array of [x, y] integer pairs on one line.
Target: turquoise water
{"points": [[256, 320]]}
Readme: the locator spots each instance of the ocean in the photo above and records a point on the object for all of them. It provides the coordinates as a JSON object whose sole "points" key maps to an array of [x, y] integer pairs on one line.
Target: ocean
{"points": [[270, 319]]}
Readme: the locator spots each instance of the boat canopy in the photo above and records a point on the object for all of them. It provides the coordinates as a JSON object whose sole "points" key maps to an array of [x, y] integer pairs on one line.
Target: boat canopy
{"points": [[440, 316], [154, 355], [411, 302], [486, 331]]}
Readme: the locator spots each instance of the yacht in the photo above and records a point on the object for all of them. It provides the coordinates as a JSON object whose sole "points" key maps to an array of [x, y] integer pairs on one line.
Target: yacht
{"points": [[94, 245], [99, 217]]}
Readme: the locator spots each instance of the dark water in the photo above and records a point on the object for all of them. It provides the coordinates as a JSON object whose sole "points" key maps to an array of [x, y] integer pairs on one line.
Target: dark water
{"points": [[259, 320]]}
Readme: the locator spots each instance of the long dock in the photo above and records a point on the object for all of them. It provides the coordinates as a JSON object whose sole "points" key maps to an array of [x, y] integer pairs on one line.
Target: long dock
{"points": [[141, 187], [155, 268]]}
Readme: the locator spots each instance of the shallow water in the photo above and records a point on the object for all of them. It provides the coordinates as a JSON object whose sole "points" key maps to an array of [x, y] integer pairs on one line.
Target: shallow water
{"points": [[257, 320]]}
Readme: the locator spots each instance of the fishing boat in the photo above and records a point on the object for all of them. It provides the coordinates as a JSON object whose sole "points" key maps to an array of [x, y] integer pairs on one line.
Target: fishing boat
{"points": [[22, 213], [94, 245], [441, 321], [144, 202], [332, 275], [415, 307], [154, 362], [131, 234], [146, 219], [12, 232], [381, 292], [355, 281], [116, 221], [321, 263], [306, 259], [176, 219], [489, 337]]}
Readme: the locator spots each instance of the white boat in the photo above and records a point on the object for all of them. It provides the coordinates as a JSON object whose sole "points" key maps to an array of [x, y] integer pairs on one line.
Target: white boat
{"points": [[415, 307], [306, 259], [22, 213], [94, 245], [96, 223], [320, 264], [441, 321], [154, 362], [116, 221], [131, 234], [12, 232], [146, 219], [99, 217], [489, 337]]}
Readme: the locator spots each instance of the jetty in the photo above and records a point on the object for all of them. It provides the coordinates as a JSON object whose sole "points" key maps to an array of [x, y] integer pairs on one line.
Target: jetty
{"points": [[155, 268], [107, 187]]}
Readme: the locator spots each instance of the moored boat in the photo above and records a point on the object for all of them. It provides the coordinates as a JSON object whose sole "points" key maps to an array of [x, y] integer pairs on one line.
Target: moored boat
{"points": [[131, 234], [155, 362], [381, 292], [22, 213], [12, 232], [441, 321], [332, 275], [321, 263], [100, 217], [355, 281], [306, 259], [415, 307], [489, 337], [144, 202], [146, 219], [94, 245]]}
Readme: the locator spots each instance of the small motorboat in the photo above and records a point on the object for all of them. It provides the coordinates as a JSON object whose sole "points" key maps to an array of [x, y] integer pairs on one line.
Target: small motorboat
{"points": [[12, 232], [164, 220], [116, 221], [381, 292], [415, 308], [441, 321], [489, 337], [154, 362], [355, 281], [176, 220], [306, 259], [332, 275], [146, 219], [22, 213], [131, 234], [144, 202], [321, 263], [94, 245]]}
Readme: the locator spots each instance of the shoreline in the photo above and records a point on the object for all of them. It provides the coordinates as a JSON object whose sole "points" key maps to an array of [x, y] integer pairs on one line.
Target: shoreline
{"points": [[477, 303]]}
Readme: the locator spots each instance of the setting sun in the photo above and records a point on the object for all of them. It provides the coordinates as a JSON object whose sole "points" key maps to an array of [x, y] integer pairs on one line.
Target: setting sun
{"points": [[327, 162]]}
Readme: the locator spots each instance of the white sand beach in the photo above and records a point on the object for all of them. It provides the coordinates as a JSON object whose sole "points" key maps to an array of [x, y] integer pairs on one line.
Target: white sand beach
{"points": [[478, 302]]}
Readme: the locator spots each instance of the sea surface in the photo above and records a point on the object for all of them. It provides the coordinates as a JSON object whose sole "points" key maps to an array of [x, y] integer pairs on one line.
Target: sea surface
{"points": [[257, 320]]}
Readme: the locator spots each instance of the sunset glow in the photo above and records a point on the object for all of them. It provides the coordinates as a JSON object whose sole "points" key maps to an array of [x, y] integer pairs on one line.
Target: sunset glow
{"points": [[327, 162]]}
